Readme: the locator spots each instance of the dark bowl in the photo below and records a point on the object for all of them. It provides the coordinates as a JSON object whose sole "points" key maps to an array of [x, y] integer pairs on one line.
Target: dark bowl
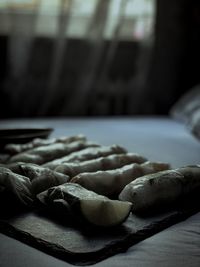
{"points": [[22, 135]]}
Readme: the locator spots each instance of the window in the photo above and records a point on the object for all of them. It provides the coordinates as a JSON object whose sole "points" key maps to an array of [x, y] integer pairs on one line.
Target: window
{"points": [[133, 18]]}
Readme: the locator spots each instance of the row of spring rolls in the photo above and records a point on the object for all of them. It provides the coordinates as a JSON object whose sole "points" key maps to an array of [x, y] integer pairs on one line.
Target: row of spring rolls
{"points": [[103, 169], [106, 170]]}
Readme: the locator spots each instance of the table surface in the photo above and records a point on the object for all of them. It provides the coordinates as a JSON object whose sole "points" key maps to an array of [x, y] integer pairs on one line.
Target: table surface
{"points": [[159, 139]]}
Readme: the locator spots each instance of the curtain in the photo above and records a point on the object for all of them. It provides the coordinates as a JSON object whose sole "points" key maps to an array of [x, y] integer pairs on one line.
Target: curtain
{"points": [[72, 57], [175, 55]]}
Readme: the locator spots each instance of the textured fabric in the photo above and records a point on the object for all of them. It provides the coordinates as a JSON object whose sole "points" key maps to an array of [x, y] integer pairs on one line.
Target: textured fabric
{"points": [[157, 139], [187, 109], [187, 105]]}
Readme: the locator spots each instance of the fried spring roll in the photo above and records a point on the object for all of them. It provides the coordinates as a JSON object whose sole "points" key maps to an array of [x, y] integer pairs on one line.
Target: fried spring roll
{"points": [[14, 167], [18, 185], [18, 148], [42, 154], [87, 154], [111, 182], [43, 178], [102, 163], [162, 189]]}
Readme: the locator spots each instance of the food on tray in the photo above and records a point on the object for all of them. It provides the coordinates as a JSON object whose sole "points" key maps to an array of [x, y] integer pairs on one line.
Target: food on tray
{"points": [[105, 213], [162, 189], [111, 182], [42, 154], [47, 180], [18, 185], [80, 176], [102, 163], [14, 167], [18, 148], [42, 178], [87, 205], [87, 154]]}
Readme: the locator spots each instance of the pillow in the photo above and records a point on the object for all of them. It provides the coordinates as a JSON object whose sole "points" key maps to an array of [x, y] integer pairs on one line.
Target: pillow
{"points": [[194, 123], [187, 109]]}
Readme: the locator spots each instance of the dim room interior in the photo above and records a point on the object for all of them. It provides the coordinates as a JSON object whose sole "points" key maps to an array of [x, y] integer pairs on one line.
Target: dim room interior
{"points": [[90, 82]]}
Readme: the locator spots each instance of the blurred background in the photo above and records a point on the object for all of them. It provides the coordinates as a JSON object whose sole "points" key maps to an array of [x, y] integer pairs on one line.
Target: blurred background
{"points": [[96, 57]]}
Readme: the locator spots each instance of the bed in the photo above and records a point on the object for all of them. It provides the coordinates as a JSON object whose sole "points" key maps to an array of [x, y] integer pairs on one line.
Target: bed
{"points": [[158, 139]]}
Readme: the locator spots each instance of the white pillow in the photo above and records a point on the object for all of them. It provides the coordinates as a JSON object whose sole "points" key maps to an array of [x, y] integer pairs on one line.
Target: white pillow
{"points": [[187, 109]]}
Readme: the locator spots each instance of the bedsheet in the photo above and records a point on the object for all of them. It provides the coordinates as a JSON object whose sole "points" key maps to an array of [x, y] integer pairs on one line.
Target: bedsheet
{"points": [[159, 139]]}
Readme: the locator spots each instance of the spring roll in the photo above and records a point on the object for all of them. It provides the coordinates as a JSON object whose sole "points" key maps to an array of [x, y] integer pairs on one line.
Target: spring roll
{"points": [[42, 178], [19, 148], [18, 185], [87, 154], [162, 189], [42, 154], [102, 163], [111, 182]]}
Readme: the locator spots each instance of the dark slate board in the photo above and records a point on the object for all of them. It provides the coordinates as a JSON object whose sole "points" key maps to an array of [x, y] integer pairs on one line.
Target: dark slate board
{"points": [[82, 245]]}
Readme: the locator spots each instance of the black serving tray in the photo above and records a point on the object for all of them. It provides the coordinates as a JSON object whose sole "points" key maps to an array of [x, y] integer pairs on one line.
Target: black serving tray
{"points": [[81, 245]]}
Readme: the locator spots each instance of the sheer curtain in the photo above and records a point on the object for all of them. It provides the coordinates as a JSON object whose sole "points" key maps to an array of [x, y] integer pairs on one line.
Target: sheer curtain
{"points": [[73, 57]]}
